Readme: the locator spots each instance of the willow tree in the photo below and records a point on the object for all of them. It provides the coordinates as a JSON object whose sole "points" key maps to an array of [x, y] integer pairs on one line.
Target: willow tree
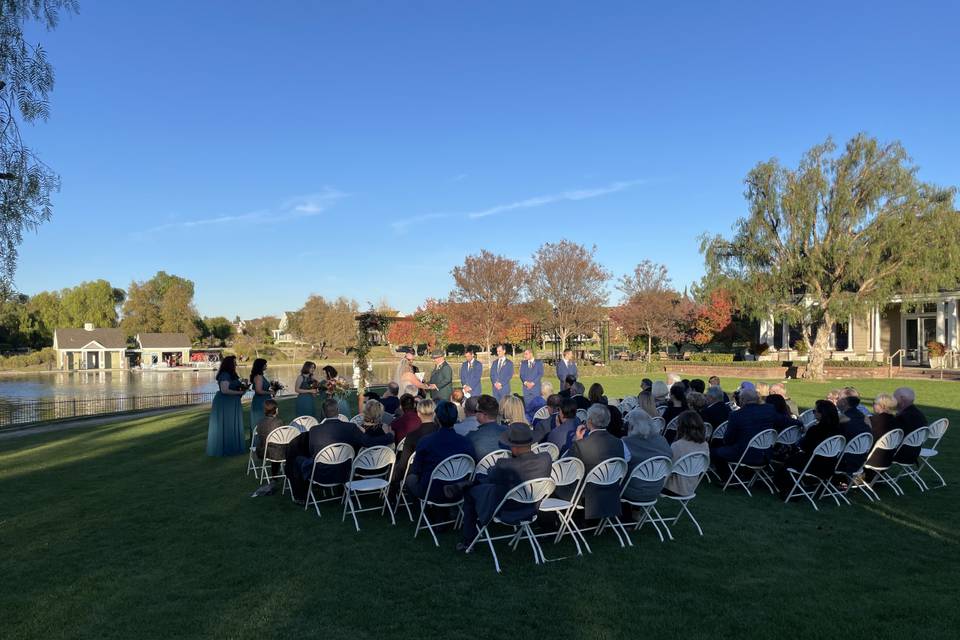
{"points": [[839, 234]]}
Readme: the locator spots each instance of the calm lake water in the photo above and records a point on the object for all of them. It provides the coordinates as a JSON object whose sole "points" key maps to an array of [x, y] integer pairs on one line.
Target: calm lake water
{"points": [[94, 384]]}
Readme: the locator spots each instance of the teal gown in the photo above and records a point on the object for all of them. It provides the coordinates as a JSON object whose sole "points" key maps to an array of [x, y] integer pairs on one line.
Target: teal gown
{"points": [[225, 434], [305, 402], [256, 405]]}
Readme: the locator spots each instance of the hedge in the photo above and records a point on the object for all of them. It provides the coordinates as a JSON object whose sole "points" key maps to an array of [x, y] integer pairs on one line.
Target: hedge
{"points": [[712, 358]]}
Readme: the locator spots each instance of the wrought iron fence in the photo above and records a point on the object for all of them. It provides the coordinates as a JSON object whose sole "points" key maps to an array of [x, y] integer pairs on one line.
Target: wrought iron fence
{"points": [[25, 412]]}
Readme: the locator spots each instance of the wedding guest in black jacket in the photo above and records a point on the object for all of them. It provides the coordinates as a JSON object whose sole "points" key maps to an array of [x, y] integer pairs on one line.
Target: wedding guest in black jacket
{"points": [[592, 445], [827, 425], [717, 410], [909, 418]]}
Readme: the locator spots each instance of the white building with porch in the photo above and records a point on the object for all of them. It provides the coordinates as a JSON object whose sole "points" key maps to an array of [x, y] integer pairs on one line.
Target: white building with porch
{"points": [[163, 349], [90, 348]]}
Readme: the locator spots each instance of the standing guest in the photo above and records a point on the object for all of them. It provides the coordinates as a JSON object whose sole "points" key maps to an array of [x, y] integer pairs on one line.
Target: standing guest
{"points": [[690, 439], [391, 399], [643, 442], [471, 373], [469, 422], [781, 390], [539, 402], [531, 377], [225, 435], [660, 391], [717, 410], [261, 391], [779, 405], [677, 403], [646, 402], [827, 425], [714, 381], [742, 426], [486, 437], [592, 445], [512, 411], [330, 374], [441, 379], [480, 501], [563, 434], [408, 420], [566, 367], [698, 385], [433, 449], [306, 387], [501, 372], [595, 396]]}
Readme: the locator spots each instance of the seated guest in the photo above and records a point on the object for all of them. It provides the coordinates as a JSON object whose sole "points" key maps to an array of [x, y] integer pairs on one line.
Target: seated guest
{"points": [[909, 418], [374, 431], [469, 422], [745, 385], [777, 401], [538, 402], [563, 434], [883, 420], [595, 396], [647, 404], [511, 410], [262, 429], [677, 405], [433, 449], [698, 385], [660, 391], [742, 426], [568, 383], [690, 439], [576, 394], [827, 425], [480, 501], [850, 392], [552, 421], [717, 410], [643, 442], [408, 420], [391, 399], [425, 426], [852, 421], [763, 390], [592, 445], [457, 398], [486, 437], [646, 385], [714, 381], [696, 401], [780, 389]]}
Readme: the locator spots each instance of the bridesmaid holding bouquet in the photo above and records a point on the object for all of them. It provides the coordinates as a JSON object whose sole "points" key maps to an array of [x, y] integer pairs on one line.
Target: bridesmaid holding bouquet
{"points": [[306, 387], [225, 435], [261, 391]]}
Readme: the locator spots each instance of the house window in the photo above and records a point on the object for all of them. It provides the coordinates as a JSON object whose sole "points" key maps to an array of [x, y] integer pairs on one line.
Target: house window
{"points": [[929, 307]]}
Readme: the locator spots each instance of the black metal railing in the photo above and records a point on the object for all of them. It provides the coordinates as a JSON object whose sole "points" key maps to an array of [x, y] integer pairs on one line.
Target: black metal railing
{"points": [[26, 412]]}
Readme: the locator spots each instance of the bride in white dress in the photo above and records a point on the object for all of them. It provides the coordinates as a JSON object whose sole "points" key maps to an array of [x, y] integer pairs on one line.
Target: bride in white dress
{"points": [[406, 379]]}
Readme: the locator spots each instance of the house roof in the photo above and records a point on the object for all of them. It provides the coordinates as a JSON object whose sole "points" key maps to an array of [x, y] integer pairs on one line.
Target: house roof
{"points": [[163, 341], [79, 338]]}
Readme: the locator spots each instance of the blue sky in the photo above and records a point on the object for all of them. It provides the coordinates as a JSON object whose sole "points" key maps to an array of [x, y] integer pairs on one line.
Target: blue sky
{"points": [[272, 150]]}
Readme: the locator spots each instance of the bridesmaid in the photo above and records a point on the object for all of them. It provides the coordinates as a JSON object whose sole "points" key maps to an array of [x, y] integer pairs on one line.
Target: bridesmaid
{"points": [[261, 391], [225, 435], [306, 390], [330, 373]]}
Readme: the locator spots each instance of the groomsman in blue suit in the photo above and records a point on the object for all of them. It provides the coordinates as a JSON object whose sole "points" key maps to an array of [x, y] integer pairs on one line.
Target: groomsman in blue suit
{"points": [[501, 372], [531, 375], [471, 373], [566, 367]]}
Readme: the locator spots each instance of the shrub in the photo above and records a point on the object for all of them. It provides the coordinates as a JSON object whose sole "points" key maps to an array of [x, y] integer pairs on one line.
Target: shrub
{"points": [[759, 348], [46, 358], [711, 357], [801, 347], [852, 363]]}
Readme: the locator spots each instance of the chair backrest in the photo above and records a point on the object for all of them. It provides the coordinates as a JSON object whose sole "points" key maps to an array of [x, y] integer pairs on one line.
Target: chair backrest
{"points": [[529, 492], [357, 419], [279, 436], [763, 441], [808, 417], [915, 438], [720, 431], [654, 469], [692, 465], [374, 458], [890, 440], [547, 447], [407, 470], [336, 453], [672, 426], [609, 471], [657, 420], [662, 410], [486, 462], [566, 471], [733, 405], [859, 444], [936, 429], [342, 418], [305, 422], [400, 445], [582, 415], [542, 412], [707, 431], [830, 448], [452, 468], [790, 435]]}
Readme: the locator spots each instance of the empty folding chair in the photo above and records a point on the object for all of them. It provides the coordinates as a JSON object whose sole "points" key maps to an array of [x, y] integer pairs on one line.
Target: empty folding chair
{"points": [[761, 444], [457, 468], [857, 449], [401, 490], [331, 455], [486, 462], [372, 459], [935, 432], [692, 465], [304, 422], [880, 460], [279, 437], [610, 472], [910, 468], [252, 457], [807, 482], [547, 447], [655, 469], [567, 474], [531, 492]]}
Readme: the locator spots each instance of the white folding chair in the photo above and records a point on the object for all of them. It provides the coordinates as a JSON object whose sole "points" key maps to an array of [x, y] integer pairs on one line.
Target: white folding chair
{"points": [[252, 457], [762, 442], [304, 422], [859, 445], [692, 465], [914, 439], [609, 472], [281, 436], [662, 409], [488, 461], [733, 406], [719, 432], [789, 436], [542, 412], [357, 419], [808, 418], [829, 449], [565, 472], [672, 426], [342, 418], [456, 468], [529, 492], [707, 431], [547, 447], [582, 416], [887, 445], [657, 420], [369, 460], [935, 432], [401, 490], [717, 436], [332, 454], [655, 469]]}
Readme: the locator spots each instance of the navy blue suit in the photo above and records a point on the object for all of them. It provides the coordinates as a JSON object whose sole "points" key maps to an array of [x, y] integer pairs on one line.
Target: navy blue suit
{"points": [[486, 438], [502, 374], [743, 425], [531, 372], [471, 374], [562, 436], [564, 370], [431, 451]]}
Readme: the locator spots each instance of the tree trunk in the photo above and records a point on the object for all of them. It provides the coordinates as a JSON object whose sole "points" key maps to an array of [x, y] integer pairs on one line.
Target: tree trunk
{"points": [[818, 350], [649, 347]]}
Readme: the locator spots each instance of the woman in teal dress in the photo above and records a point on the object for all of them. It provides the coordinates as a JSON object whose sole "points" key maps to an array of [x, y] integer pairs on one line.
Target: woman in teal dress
{"points": [[261, 391], [225, 434], [329, 373], [306, 388]]}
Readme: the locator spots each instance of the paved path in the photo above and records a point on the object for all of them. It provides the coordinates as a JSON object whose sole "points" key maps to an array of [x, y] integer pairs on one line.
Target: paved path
{"points": [[13, 433]]}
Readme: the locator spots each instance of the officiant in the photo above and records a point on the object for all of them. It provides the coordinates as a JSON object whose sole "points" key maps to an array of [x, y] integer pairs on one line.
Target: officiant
{"points": [[441, 379]]}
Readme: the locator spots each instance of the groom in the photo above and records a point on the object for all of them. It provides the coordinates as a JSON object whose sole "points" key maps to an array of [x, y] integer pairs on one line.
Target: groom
{"points": [[501, 372], [442, 378]]}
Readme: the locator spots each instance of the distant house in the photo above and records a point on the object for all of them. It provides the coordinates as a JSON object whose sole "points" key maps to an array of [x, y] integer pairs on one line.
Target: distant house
{"points": [[163, 348], [90, 348], [282, 335]]}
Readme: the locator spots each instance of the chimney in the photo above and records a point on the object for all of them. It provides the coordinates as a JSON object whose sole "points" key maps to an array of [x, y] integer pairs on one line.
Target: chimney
{"points": [[88, 326]]}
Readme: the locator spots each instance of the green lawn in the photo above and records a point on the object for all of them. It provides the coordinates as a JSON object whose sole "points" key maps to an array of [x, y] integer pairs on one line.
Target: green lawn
{"points": [[129, 530]]}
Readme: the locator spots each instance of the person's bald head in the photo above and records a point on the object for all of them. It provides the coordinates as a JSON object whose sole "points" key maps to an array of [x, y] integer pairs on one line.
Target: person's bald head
{"points": [[905, 397]]}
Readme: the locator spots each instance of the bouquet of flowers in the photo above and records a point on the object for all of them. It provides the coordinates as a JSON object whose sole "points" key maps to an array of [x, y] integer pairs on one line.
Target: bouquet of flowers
{"points": [[314, 383], [243, 385], [337, 387], [276, 387]]}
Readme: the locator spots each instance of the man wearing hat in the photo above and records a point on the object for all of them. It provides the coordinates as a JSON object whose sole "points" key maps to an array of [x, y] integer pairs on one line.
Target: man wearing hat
{"points": [[441, 379], [480, 501]]}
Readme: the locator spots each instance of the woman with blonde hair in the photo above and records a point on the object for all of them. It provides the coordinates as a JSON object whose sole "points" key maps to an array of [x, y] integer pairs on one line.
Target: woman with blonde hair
{"points": [[763, 390], [884, 415], [512, 410], [374, 431]]}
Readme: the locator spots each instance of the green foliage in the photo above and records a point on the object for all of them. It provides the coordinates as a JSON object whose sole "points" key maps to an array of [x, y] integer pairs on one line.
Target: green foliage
{"points": [[711, 357], [326, 323], [801, 347], [45, 358], [854, 364], [162, 304]]}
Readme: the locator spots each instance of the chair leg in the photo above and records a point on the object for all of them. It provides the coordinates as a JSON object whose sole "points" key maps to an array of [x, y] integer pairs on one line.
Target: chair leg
{"points": [[925, 464]]}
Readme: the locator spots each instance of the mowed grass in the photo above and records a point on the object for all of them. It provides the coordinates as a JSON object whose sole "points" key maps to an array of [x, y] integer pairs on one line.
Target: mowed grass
{"points": [[130, 531]]}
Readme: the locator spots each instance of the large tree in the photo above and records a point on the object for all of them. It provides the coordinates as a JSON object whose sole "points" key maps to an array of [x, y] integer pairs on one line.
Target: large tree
{"points": [[566, 276], [487, 286], [650, 308], [326, 323], [163, 303], [836, 236], [26, 80]]}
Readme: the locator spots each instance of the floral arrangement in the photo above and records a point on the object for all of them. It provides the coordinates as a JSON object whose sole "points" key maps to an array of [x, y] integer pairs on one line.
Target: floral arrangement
{"points": [[276, 387], [337, 387], [314, 384], [936, 349]]}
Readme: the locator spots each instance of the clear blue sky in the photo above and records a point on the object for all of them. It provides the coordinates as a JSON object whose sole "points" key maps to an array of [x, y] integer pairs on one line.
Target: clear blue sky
{"points": [[269, 150]]}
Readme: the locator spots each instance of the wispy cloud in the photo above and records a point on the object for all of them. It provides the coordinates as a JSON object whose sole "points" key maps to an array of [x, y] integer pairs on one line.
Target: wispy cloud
{"points": [[296, 207], [459, 177], [570, 195]]}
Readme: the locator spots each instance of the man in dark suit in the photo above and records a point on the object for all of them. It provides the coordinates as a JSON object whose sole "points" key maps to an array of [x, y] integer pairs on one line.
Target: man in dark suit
{"points": [[480, 501], [563, 434], [441, 379], [717, 411], [743, 425], [576, 394], [909, 418], [434, 448], [471, 373], [486, 437], [592, 445], [566, 367], [531, 377], [501, 372]]}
